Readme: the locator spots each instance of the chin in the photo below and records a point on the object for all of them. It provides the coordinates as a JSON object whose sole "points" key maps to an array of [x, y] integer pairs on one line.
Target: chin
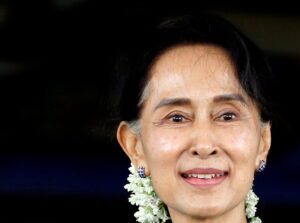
{"points": [[206, 212]]}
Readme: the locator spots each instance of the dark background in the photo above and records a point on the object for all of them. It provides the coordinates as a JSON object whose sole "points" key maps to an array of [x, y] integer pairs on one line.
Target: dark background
{"points": [[58, 162]]}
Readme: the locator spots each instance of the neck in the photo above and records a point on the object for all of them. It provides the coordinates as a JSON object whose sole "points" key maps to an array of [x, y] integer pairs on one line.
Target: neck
{"points": [[235, 215]]}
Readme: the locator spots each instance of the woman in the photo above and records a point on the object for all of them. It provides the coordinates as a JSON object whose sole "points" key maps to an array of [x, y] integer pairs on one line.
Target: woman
{"points": [[195, 122]]}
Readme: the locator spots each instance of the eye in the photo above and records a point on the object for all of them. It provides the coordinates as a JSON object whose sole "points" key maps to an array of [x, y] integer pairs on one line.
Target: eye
{"points": [[228, 116], [174, 119], [177, 118]]}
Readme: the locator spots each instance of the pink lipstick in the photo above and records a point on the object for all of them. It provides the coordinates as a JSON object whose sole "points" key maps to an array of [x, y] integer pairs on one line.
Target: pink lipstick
{"points": [[204, 177]]}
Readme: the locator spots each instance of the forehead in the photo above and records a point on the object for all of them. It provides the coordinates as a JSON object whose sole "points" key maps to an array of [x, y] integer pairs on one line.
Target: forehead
{"points": [[202, 69]]}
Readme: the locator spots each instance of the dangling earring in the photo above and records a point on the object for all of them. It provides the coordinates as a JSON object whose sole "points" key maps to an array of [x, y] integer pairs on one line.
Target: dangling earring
{"points": [[141, 172], [262, 166]]}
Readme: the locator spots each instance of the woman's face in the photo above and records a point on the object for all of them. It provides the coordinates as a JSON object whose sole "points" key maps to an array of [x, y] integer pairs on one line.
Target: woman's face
{"points": [[201, 137]]}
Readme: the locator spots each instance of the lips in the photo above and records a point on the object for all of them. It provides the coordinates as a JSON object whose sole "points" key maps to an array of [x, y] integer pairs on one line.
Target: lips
{"points": [[204, 177]]}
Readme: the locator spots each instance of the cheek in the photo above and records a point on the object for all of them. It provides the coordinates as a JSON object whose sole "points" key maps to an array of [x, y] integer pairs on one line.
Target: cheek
{"points": [[241, 148], [241, 144], [160, 143], [163, 148]]}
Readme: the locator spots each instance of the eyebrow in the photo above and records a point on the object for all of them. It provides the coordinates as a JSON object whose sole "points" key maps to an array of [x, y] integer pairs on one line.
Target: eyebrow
{"points": [[230, 97], [173, 102], [186, 101]]}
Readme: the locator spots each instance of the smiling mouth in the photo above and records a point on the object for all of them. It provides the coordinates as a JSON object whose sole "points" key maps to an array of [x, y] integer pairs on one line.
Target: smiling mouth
{"points": [[204, 178]]}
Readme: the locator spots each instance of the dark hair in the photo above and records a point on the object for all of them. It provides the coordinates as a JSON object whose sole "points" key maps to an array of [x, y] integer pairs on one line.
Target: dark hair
{"points": [[252, 69]]}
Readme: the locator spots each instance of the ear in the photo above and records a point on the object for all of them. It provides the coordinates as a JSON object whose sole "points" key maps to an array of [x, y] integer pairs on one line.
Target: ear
{"points": [[265, 143], [132, 145]]}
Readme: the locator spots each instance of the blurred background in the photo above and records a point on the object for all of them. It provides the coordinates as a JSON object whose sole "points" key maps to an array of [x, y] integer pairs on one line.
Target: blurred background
{"points": [[58, 161]]}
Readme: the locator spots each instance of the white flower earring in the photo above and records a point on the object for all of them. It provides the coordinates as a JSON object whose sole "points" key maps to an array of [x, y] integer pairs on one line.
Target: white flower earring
{"points": [[250, 203], [151, 208], [252, 199]]}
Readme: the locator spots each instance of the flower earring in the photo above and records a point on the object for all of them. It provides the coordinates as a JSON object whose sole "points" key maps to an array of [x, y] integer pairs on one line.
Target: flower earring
{"points": [[250, 207], [262, 166], [151, 208]]}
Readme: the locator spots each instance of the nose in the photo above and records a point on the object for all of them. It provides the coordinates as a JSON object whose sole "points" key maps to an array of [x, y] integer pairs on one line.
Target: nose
{"points": [[203, 151], [203, 143]]}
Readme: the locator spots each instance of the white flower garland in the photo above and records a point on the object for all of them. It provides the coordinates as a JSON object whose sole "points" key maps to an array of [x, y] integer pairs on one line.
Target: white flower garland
{"points": [[250, 203], [153, 210]]}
